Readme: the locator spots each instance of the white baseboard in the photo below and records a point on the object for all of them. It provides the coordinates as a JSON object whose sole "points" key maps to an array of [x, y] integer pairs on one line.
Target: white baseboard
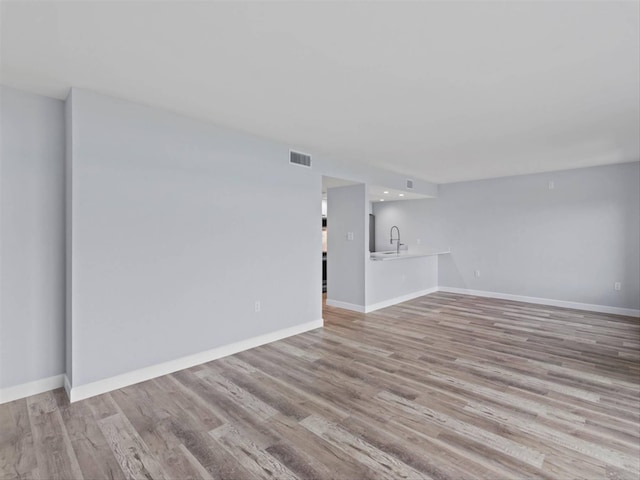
{"points": [[377, 306], [396, 300], [130, 378], [31, 388], [102, 386], [630, 312], [347, 306]]}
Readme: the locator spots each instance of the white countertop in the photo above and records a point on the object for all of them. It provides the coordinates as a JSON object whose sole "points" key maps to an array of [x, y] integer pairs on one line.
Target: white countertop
{"points": [[414, 253]]}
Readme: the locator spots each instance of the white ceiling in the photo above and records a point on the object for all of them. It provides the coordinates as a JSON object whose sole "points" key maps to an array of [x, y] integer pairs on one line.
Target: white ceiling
{"points": [[444, 91], [376, 193], [383, 194]]}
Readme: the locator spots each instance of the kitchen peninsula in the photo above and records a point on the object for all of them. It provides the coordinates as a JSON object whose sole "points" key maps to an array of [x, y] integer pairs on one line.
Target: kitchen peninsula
{"points": [[394, 277]]}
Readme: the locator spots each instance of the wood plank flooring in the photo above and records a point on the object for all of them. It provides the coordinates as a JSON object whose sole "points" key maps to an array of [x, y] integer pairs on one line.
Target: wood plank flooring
{"points": [[441, 387]]}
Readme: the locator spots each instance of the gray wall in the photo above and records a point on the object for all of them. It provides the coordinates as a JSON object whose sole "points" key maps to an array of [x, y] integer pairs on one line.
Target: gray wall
{"points": [[32, 237], [347, 209], [569, 243], [244, 231], [178, 228]]}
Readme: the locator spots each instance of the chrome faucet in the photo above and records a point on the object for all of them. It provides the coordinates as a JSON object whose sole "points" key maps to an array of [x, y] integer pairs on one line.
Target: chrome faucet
{"points": [[397, 239]]}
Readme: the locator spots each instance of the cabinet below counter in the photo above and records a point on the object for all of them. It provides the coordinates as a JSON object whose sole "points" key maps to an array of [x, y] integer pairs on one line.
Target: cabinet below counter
{"points": [[393, 255]]}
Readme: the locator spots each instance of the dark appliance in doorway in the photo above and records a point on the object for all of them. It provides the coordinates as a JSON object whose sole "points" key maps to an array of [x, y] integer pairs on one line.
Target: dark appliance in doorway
{"points": [[324, 254], [372, 233]]}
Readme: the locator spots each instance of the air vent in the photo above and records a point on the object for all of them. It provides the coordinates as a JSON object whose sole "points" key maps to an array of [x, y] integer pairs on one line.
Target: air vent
{"points": [[301, 159], [409, 184]]}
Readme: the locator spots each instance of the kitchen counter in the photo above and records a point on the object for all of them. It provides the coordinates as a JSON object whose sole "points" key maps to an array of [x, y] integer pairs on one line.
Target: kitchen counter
{"points": [[416, 253]]}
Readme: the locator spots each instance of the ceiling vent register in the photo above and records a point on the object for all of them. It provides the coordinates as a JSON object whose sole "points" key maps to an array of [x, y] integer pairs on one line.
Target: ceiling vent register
{"points": [[301, 159]]}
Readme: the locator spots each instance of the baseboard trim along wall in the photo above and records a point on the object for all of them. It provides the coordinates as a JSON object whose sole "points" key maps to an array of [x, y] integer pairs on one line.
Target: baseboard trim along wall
{"points": [[630, 312], [103, 386], [82, 392], [377, 306], [396, 300], [17, 392], [347, 306]]}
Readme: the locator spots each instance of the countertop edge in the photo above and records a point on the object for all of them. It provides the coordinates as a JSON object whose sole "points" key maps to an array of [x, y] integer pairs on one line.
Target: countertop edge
{"points": [[403, 256]]}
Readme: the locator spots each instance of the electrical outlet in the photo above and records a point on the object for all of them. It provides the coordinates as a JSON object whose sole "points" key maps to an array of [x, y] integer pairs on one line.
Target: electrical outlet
{"points": [[418, 241], [552, 185], [257, 306], [404, 278], [477, 273], [617, 286], [349, 236]]}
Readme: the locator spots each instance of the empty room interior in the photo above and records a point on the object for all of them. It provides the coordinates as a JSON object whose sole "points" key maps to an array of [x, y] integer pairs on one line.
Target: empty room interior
{"points": [[319, 240]]}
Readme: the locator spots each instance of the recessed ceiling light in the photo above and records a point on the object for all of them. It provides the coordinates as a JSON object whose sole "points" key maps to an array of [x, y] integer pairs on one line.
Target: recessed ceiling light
{"points": [[401, 194], [386, 191], [382, 199]]}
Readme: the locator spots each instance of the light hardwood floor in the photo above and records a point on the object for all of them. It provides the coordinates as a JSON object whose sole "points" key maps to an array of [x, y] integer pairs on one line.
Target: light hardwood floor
{"points": [[444, 386]]}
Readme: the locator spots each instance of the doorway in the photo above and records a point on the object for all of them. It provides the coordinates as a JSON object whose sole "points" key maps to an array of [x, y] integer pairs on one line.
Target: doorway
{"points": [[327, 184]]}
